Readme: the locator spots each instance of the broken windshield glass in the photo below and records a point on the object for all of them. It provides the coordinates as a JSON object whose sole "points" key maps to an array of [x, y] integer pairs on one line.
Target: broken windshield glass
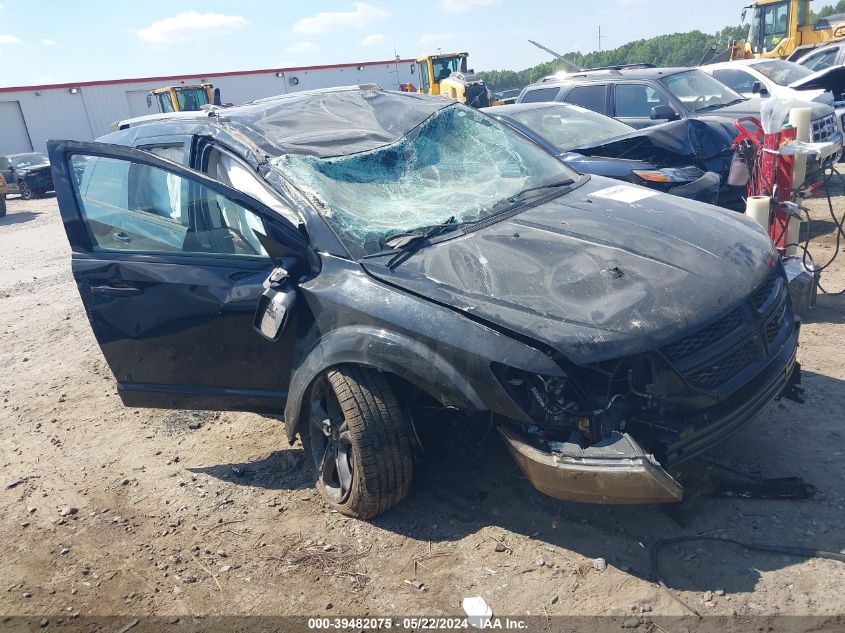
{"points": [[458, 164]]}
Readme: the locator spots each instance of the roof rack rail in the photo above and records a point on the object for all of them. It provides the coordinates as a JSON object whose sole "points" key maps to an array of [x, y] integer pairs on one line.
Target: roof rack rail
{"points": [[613, 70], [623, 67], [311, 91], [189, 115]]}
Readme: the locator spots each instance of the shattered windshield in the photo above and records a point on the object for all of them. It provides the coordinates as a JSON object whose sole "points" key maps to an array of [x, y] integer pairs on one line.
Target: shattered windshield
{"points": [[456, 166], [699, 92]]}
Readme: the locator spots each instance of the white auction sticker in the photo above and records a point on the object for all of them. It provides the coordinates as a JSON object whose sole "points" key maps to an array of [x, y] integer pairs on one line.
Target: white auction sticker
{"points": [[624, 193]]}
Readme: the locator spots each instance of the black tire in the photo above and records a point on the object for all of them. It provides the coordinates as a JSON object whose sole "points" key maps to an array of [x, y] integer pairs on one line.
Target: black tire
{"points": [[2, 205], [25, 191], [357, 442]]}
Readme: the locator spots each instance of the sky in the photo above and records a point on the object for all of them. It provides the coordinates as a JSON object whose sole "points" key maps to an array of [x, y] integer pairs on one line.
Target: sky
{"points": [[60, 41]]}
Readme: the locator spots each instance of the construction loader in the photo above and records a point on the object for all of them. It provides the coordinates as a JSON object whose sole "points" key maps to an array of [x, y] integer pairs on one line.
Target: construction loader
{"points": [[183, 98], [782, 29], [447, 75]]}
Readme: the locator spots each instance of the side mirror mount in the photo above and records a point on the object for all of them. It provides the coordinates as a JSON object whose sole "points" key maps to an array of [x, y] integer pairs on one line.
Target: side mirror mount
{"points": [[663, 112], [758, 88], [275, 305]]}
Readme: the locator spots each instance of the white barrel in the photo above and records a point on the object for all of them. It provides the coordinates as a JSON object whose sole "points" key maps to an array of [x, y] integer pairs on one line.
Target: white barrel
{"points": [[757, 208], [800, 119]]}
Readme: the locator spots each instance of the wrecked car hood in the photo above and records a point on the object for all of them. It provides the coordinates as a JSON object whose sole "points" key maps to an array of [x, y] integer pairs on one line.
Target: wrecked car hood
{"points": [[691, 139], [591, 276], [751, 107], [830, 79]]}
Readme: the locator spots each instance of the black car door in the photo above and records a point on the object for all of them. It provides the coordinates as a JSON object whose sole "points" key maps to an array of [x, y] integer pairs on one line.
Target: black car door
{"points": [[6, 171], [170, 270]]}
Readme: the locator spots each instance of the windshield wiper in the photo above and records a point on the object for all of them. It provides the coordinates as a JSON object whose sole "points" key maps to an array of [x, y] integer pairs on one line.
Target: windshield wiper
{"points": [[506, 204], [517, 197], [720, 105], [409, 242]]}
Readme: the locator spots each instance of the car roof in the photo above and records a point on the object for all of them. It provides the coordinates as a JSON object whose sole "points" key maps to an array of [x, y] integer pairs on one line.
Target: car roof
{"points": [[611, 74], [735, 62], [837, 44], [321, 123]]}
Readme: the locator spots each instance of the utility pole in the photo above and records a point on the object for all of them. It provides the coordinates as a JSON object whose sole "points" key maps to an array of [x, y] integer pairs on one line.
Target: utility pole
{"points": [[601, 37]]}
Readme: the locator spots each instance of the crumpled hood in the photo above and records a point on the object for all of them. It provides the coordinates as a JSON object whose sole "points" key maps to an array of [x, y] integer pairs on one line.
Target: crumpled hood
{"points": [[751, 107], [592, 277], [35, 169], [689, 139], [830, 79]]}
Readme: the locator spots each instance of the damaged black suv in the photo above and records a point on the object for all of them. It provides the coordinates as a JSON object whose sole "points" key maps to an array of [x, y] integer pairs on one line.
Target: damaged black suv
{"points": [[344, 255]]}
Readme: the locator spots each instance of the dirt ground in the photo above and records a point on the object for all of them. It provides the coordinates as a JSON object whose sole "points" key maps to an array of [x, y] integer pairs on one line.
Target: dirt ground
{"points": [[202, 513]]}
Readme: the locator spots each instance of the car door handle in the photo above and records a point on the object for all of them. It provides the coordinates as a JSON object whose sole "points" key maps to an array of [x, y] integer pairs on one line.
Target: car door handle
{"points": [[122, 237], [116, 291]]}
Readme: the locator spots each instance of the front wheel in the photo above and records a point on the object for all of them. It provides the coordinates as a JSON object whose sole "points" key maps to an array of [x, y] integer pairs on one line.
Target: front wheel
{"points": [[358, 442], [25, 191]]}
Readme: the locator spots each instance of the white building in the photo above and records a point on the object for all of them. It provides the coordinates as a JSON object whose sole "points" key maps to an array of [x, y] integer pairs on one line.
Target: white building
{"points": [[32, 115]]}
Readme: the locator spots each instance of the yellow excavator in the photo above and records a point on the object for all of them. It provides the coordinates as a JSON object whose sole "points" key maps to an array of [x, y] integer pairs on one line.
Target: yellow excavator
{"points": [[781, 29], [183, 98], [446, 74]]}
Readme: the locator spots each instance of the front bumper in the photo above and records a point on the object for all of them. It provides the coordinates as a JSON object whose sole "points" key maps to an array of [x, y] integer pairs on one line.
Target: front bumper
{"points": [[40, 182], [619, 471]]}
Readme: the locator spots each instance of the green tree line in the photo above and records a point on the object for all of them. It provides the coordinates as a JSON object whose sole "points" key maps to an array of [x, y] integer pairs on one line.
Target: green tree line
{"points": [[677, 49], [825, 11]]}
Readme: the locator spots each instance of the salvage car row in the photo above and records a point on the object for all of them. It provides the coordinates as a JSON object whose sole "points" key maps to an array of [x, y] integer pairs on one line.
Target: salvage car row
{"points": [[436, 260], [26, 174]]}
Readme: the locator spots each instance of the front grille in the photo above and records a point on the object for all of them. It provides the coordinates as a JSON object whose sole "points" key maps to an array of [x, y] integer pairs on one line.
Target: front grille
{"points": [[824, 128], [775, 322], [763, 293], [721, 350], [724, 369], [704, 337]]}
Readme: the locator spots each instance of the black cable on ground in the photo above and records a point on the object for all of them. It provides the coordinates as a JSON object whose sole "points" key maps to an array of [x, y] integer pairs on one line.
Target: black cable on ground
{"points": [[787, 550], [839, 223]]}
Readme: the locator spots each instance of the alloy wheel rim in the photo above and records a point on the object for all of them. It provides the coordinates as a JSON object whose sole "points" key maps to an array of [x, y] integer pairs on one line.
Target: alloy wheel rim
{"points": [[331, 443]]}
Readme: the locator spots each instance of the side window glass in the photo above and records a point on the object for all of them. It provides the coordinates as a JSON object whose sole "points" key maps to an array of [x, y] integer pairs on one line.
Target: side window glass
{"points": [[541, 94], [174, 152], [224, 168], [130, 207], [164, 102], [822, 60], [637, 100], [738, 80], [424, 82], [775, 24], [590, 97]]}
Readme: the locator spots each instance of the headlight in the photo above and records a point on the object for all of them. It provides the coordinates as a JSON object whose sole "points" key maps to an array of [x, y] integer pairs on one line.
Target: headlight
{"points": [[548, 400], [670, 174]]}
